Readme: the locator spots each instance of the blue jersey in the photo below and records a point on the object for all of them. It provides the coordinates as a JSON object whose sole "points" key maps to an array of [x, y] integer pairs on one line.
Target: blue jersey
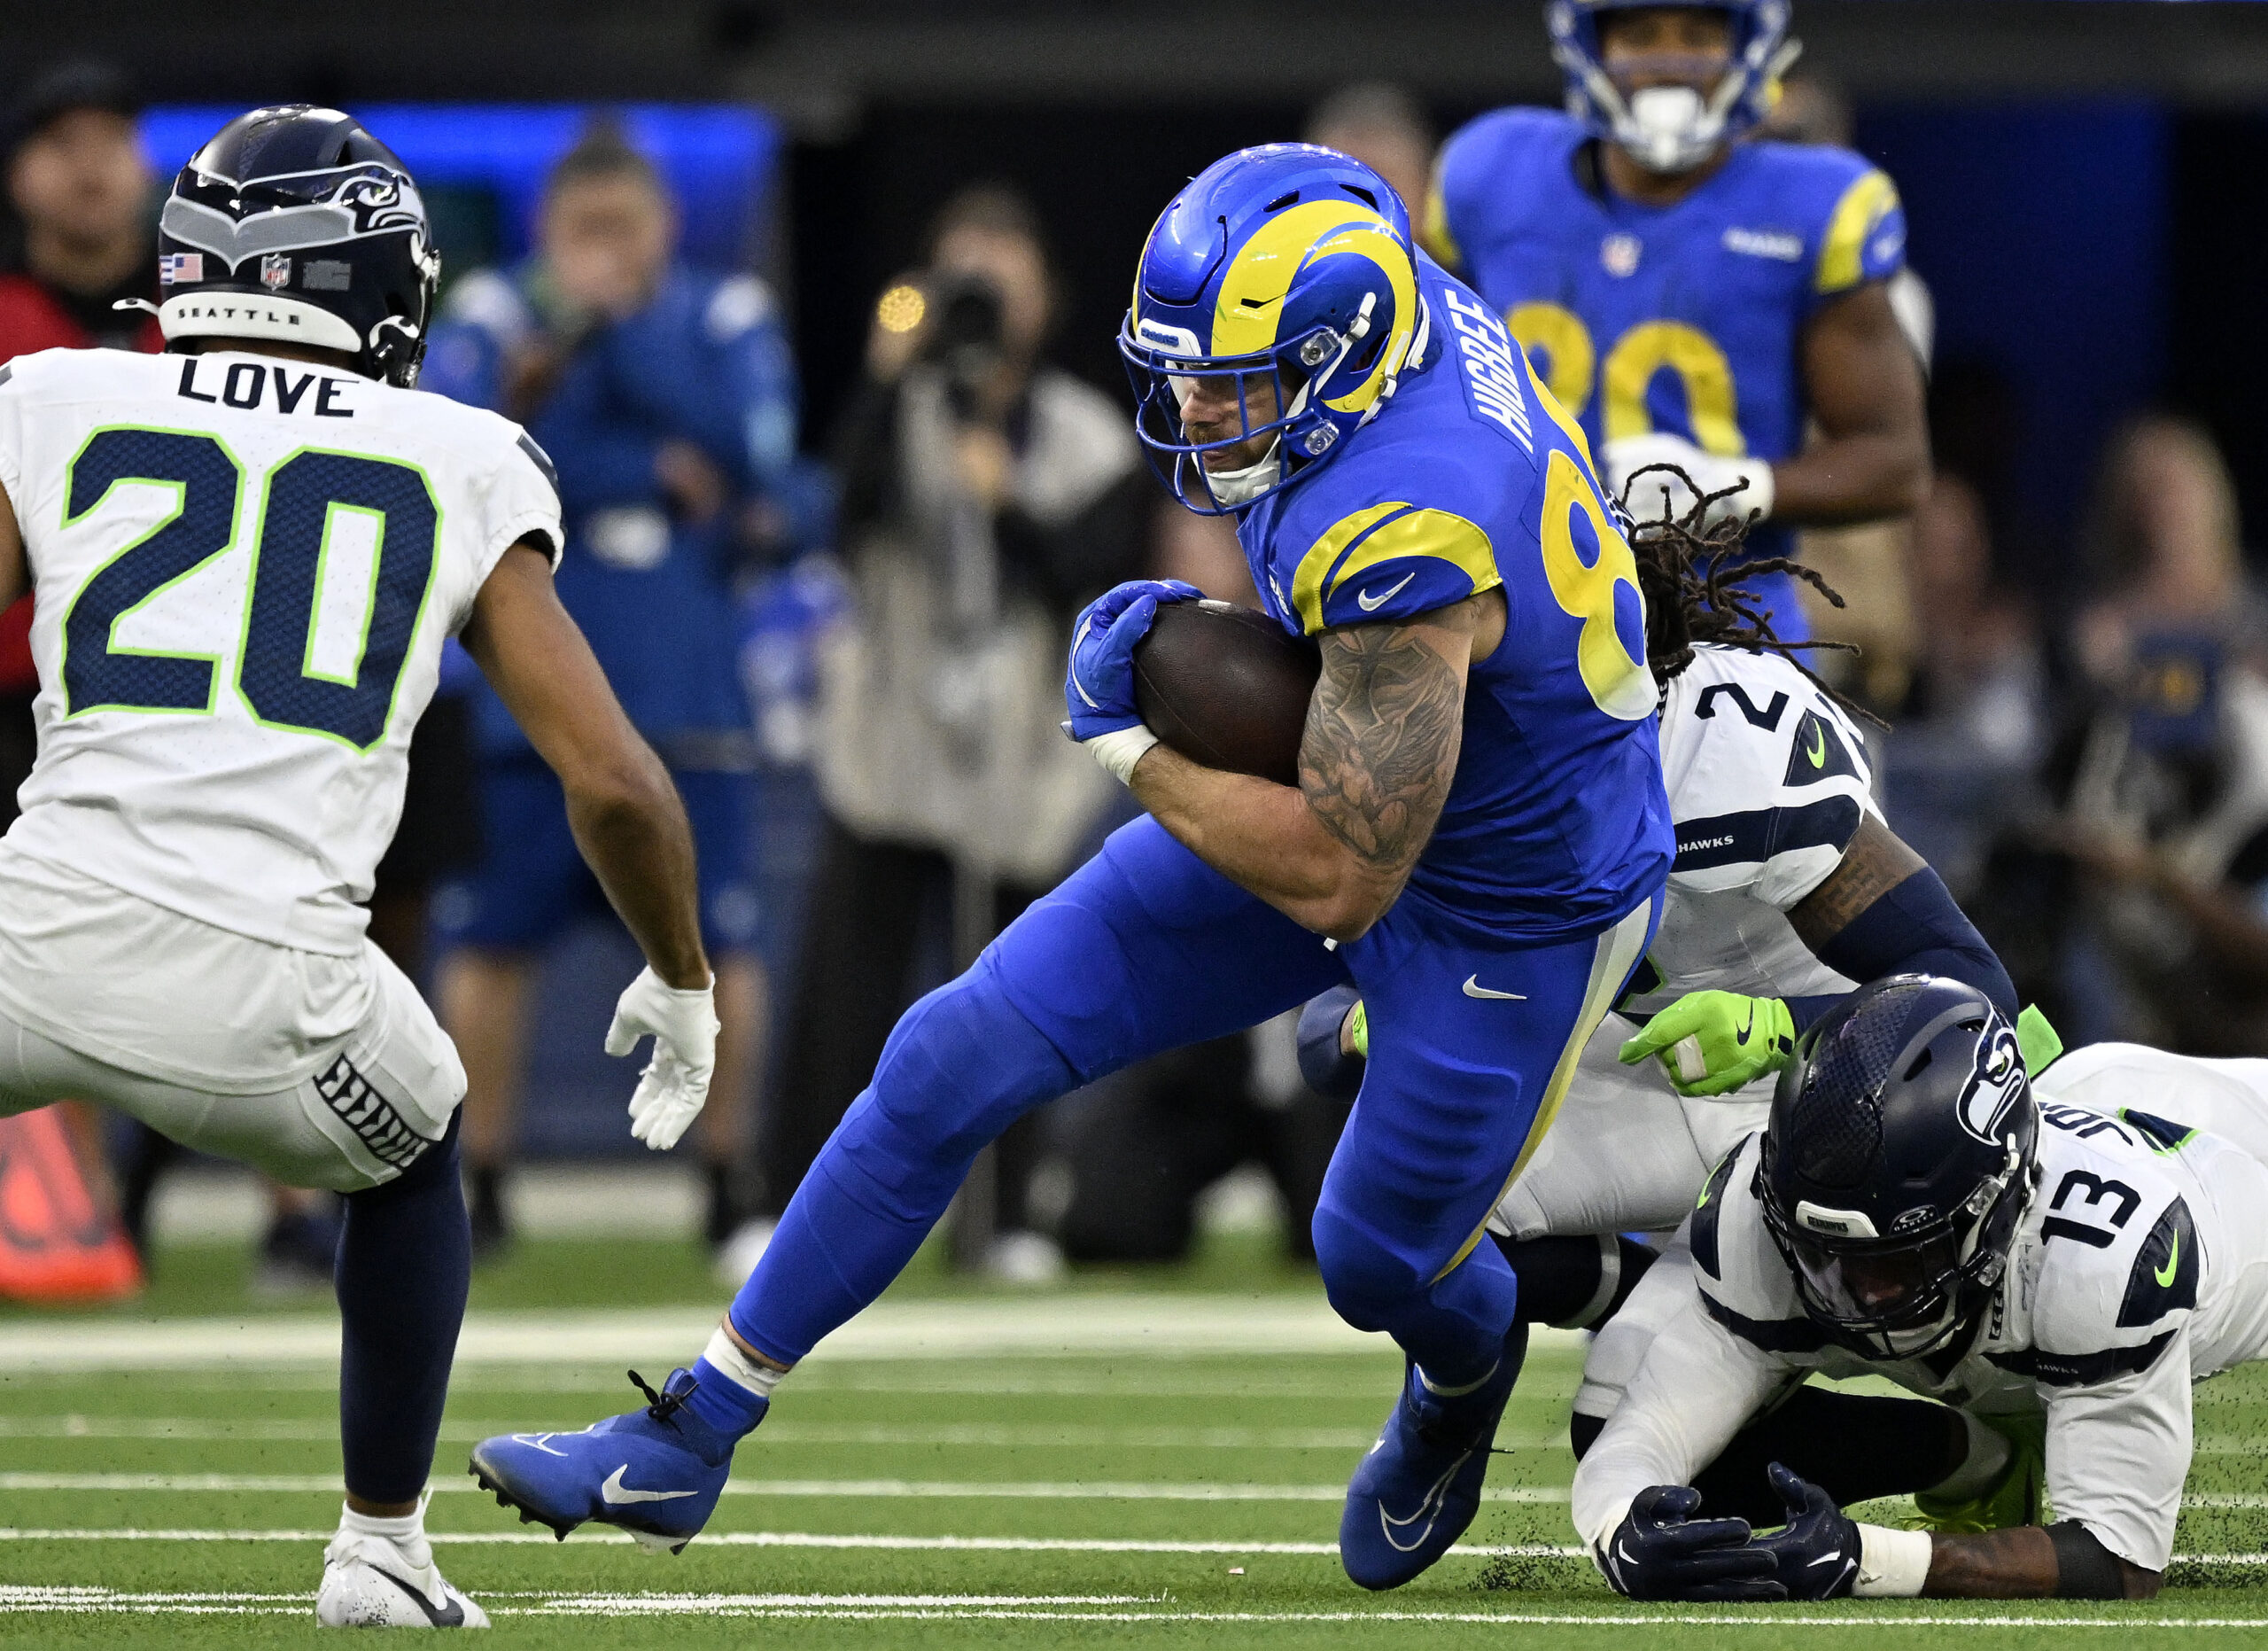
{"points": [[706, 364], [1473, 478], [1687, 319]]}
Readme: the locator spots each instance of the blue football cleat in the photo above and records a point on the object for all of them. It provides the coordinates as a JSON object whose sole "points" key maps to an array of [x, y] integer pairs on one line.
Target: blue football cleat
{"points": [[1419, 1487], [655, 1471]]}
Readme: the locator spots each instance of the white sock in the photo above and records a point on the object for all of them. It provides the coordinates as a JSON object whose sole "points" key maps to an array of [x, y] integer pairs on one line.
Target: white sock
{"points": [[724, 1356], [406, 1533], [1980, 1468]]}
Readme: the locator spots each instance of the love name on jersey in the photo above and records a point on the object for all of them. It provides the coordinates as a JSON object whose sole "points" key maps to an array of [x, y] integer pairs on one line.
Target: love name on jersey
{"points": [[1486, 350], [246, 382]]}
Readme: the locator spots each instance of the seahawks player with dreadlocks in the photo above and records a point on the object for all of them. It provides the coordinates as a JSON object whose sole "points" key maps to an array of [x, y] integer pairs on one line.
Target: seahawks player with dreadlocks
{"points": [[2071, 1252], [247, 553], [1788, 890]]}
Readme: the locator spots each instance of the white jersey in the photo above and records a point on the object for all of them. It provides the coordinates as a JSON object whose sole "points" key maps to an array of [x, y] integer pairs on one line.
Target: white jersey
{"points": [[245, 568], [1767, 783], [2141, 1267]]}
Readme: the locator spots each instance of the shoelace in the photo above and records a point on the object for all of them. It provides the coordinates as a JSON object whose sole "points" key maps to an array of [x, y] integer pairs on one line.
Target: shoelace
{"points": [[662, 1406]]}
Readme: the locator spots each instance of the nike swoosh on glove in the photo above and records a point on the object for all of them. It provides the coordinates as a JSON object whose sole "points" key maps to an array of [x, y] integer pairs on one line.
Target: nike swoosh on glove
{"points": [[1660, 1551], [1818, 1552], [1633, 458], [683, 1025], [1712, 1043]]}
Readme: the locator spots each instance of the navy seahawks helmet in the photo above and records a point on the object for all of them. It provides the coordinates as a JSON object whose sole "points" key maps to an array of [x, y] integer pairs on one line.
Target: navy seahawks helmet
{"points": [[295, 224], [1673, 130], [1899, 1159]]}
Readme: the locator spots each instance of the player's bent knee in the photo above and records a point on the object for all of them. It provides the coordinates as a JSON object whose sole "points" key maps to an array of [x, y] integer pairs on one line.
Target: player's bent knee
{"points": [[961, 1066], [1366, 1281]]}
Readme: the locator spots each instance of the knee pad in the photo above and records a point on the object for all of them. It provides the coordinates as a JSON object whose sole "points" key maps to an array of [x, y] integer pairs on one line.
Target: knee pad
{"points": [[962, 1066], [1365, 1282]]}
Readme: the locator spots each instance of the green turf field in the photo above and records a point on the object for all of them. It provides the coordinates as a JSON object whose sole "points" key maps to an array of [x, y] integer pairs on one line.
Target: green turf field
{"points": [[973, 1469]]}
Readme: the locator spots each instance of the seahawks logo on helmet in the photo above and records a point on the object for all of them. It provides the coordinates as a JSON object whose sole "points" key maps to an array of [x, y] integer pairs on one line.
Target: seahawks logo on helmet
{"points": [[1995, 1084], [273, 186]]}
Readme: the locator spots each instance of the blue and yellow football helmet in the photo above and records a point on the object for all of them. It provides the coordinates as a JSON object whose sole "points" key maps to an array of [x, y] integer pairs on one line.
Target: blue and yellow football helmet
{"points": [[1679, 133], [1290, 263]]}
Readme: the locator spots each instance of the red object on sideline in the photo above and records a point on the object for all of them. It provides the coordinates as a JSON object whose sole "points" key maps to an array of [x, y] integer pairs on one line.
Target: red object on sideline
{"points": [[57, 1243]]}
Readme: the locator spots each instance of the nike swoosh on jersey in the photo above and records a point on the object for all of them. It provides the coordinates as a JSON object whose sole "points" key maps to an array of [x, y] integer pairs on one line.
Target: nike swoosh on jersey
{"points": [[1371, 604], [613, 1493], [1818, 752], [1474, 989], [2164, 1274]]}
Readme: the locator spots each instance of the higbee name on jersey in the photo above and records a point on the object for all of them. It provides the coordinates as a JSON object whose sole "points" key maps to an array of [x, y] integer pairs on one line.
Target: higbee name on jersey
{"points": [[245, 568], [2141, 1266]]}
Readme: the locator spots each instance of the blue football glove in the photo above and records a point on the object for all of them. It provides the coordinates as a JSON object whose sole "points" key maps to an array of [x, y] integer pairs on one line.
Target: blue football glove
{"points": [[1818, 1551], [1660, 1551], [1098, 689]]}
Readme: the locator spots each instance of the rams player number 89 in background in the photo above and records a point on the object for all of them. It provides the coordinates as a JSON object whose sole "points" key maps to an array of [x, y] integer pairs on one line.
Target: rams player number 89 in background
{"points": [[247, 553]]}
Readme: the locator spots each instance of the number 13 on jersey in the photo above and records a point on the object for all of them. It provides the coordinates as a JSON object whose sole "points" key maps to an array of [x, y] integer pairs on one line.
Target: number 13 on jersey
{"points": [[343, 550]]}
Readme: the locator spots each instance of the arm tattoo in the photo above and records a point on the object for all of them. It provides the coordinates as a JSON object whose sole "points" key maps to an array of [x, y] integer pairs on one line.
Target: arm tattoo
{"points": [[1877, 863], [1381, 742]]}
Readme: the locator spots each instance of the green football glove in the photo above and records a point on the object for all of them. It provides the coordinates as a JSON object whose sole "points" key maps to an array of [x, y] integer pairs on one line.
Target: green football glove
{"points": [[1712, 1043], [1358, 1029]]}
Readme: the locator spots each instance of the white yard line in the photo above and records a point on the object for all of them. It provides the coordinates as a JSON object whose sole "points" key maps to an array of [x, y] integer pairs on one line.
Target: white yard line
{"points": [[1040, 1326], [1044, 1607], [987, 1435], [1067, 1490]]}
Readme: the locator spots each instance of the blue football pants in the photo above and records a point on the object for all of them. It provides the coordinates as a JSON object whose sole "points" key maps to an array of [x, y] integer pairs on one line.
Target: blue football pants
{"points": [[1473, 1039]]}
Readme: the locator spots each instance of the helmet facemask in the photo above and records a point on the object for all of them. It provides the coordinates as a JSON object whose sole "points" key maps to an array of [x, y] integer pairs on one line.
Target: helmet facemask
{"points": [[1670, 128], [1908, 1295]]}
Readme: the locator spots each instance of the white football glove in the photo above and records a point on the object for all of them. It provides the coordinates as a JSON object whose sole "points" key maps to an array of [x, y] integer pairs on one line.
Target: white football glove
{"points": [[1625, 457], [683, 1025]]}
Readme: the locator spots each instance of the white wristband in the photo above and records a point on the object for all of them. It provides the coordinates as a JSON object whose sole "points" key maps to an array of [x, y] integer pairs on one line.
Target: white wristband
{"points": [[1892, 1564], [1761, 489], [1120, 749]]}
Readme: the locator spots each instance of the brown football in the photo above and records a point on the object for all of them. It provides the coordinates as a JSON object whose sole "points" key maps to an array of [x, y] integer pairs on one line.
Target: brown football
{"points": [[1227, 686]]}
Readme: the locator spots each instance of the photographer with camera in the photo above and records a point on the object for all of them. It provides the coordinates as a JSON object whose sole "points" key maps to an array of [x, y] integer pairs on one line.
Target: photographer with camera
{"points": [[986, 497]]}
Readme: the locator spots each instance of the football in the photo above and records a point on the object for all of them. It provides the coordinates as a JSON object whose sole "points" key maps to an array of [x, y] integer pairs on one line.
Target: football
{"points": [[1227, 686]]}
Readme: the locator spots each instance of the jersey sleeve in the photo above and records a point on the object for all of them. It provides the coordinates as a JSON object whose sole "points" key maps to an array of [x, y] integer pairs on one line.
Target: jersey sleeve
{"points": [[2109, 1355], [1389, 561], [1768, 778], [1699, 1384], [522, 502], [11, 439], [1862, 238]]}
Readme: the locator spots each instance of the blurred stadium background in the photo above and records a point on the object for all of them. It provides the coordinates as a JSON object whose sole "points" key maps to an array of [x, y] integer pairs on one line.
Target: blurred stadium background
{"points": [[2085, 183]]}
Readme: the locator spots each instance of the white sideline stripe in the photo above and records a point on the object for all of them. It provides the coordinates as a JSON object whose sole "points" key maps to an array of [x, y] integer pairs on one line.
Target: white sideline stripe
{"points": [[1140, 1325], [816, 1539], [1072, 1491], [991, 1435], [916, 1607]]}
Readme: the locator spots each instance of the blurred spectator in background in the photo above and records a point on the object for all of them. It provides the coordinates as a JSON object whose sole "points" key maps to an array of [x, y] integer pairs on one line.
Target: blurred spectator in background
{"points": [[1971, 727], [986, 497], [666, 399], [1382, 127], [79, 240], [2164, 785]]}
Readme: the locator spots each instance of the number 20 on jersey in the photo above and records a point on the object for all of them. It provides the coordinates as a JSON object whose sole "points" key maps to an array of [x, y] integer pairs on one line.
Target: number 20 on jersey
{"points": [[304, 502]]}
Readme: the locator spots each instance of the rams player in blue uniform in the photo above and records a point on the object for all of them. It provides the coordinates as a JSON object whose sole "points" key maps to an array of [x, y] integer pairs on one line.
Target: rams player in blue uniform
{"points": [[1692, 297], [1479, 839]]}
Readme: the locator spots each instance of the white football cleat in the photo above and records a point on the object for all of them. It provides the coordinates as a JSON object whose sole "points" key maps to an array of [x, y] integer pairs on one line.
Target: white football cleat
{"points": [[367, 1582]]}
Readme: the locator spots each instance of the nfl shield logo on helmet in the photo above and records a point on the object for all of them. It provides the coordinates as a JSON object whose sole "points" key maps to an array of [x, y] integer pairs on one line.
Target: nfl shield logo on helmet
{"points": [[276, 271]]}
